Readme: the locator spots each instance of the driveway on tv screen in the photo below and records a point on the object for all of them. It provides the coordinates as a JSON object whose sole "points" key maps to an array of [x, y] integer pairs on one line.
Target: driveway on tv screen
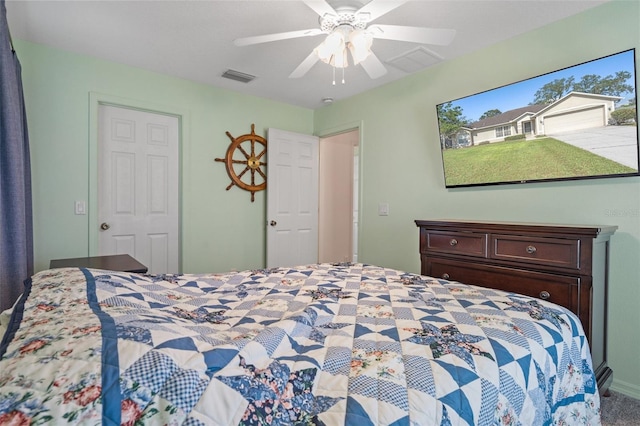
{"points": [[617, 143]]}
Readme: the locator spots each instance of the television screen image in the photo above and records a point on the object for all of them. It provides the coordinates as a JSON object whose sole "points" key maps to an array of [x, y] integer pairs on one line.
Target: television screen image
{"points": [[579, 122]]}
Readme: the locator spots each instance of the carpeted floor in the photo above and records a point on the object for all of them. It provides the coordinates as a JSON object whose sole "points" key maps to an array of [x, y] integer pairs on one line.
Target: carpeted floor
{"points": [[620, 410]]}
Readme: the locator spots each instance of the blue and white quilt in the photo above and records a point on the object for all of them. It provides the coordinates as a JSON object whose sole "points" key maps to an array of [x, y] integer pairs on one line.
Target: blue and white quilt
{"points": [[326, 344]]}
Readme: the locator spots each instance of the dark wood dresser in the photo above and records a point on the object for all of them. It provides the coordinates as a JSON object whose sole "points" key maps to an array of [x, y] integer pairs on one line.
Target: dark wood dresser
{"points": [[564, 264]]}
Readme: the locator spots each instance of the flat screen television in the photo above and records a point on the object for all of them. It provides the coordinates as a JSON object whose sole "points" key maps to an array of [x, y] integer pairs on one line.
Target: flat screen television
{"points": [[579, 122]]}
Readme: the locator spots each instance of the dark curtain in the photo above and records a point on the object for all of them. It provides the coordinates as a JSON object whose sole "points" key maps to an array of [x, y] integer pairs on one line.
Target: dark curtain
{"points": [[16, 226]]}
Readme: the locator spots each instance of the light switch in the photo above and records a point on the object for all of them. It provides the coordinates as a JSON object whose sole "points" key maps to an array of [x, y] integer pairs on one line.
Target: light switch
{"points": [[81, 207], [383, 209]]}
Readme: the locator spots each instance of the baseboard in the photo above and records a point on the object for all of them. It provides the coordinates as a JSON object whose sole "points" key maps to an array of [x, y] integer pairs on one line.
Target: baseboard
{"points": [[625, 388]]}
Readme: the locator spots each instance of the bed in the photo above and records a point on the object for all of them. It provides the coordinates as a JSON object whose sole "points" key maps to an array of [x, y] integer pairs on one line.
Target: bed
{"points": [[325, 344]]}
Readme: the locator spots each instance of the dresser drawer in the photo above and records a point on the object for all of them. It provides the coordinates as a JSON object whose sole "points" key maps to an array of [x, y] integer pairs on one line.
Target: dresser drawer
{"points": [[467, 243], [559, 289], [558, 252]]}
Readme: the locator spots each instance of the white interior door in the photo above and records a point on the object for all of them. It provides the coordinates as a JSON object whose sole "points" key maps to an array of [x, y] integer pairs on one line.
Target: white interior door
{"points": [[138, 169], [292, 198]]}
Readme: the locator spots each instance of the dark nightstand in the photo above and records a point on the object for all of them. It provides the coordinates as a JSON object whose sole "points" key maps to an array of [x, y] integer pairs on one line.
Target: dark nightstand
{"points": [[118, 262]]}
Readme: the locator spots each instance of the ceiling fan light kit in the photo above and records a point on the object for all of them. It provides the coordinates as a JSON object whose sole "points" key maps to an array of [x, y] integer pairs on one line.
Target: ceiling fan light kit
{"points": [[348, 29], [360, 45], [333, 50]]}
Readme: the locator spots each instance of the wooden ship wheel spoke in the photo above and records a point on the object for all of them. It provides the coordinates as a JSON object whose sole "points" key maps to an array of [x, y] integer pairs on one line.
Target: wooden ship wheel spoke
{"points": [[242, 152]]}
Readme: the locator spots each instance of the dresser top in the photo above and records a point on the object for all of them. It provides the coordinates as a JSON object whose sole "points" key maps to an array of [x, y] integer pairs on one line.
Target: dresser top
{"points": [[460, 224]]}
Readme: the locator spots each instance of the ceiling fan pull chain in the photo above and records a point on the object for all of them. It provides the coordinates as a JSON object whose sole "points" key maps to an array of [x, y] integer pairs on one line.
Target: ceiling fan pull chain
{"points": [[342, 75], [334, 75]]}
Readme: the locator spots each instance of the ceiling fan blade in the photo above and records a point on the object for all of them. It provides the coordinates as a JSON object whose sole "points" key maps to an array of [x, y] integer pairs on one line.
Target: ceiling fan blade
{"points": [[305, 66], [321, 7], [421, 35], [376, 8], [245, 41], [373, 66]]}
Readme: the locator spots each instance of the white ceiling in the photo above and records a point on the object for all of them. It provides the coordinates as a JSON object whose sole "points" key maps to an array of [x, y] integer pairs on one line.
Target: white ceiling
{"points": [[194, 39]]}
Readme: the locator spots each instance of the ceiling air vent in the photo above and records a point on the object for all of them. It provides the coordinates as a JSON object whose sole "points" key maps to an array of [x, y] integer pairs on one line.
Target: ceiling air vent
{"points": [[415, 59], [238, 76]]}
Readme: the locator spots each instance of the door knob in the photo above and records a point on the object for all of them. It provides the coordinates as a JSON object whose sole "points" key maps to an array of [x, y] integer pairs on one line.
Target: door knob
{"points": [[104, 226], [273, 223]]}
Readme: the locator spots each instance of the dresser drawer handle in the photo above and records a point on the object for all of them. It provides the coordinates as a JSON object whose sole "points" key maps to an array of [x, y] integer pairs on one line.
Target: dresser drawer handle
{"points": [[544, 295], [453, 242], [445, 276], [531, 249]]}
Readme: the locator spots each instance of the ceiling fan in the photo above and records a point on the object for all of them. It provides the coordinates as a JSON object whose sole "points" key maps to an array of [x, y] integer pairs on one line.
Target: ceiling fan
{"points": [[347, 26]]}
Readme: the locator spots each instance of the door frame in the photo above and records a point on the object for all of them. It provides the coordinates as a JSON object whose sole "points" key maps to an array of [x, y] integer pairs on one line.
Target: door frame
{"points": [[344, 128], [95, 100]]}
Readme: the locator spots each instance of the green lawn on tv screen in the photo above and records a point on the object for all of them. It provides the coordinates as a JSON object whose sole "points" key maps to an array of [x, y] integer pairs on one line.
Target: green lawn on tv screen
{"points": [[514, 161]]}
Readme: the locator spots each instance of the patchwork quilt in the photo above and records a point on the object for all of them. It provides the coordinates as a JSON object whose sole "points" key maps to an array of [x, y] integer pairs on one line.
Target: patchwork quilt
{"points": [[326, 344]]}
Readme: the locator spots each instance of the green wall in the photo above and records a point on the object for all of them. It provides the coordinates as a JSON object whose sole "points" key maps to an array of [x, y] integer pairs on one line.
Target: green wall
{"points": [[401, 163], [400, 159], [221, 230]]}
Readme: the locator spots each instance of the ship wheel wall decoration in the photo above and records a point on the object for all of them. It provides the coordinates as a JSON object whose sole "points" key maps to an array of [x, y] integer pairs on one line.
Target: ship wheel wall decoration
{"points": [[245, 162]]}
